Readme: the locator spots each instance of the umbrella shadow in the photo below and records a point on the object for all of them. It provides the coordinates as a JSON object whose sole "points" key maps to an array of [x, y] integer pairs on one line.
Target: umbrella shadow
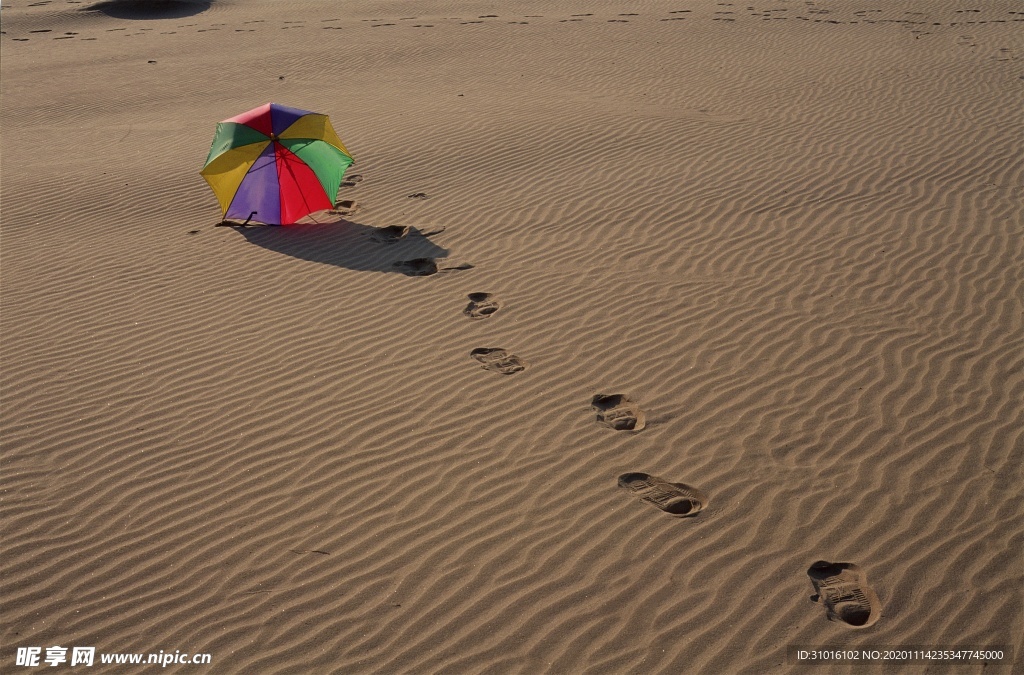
{"points": [[355, 246]]}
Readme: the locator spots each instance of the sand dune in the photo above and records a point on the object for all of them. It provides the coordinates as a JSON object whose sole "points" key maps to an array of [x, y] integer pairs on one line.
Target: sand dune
{"points": [[767, 252]]}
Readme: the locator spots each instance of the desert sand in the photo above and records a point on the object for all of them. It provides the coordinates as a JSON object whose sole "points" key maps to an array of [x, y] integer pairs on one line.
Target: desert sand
{"points": [[725, 335]]}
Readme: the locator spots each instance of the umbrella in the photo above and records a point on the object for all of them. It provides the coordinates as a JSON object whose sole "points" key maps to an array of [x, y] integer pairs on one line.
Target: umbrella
{"points": [[275, 164]]}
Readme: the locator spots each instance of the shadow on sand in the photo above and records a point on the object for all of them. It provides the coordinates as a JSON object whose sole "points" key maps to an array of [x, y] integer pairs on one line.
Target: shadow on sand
{"points": [[150, 9], [403, 250]]}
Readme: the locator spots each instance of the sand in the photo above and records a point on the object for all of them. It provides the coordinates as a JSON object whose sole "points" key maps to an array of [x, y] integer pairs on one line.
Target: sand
{"points": [[787, 236]]}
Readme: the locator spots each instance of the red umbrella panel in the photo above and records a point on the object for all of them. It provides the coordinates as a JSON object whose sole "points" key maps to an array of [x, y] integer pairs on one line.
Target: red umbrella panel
{"points": [[276, 164]]}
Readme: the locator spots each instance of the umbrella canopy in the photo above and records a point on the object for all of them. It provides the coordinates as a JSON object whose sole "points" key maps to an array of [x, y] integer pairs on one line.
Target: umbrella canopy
{"points": [[275, 164]]}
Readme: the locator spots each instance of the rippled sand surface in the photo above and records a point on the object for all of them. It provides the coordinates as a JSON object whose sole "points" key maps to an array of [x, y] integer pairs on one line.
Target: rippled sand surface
{"points": [[660, 336]]}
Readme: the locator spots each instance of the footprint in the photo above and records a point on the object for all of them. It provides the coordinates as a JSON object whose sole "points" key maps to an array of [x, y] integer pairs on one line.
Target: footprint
{"points": [[677, 499], [417, 195], [481, 305], [498, 360], [345, 207], [843, 589], [619, 412], [395, 233], [424, 267], [350, 181], [417, 267], [392, 235]]}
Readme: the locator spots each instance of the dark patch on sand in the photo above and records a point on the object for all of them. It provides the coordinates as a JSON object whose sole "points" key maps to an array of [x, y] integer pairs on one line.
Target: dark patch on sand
{"points": [[150, 9]]}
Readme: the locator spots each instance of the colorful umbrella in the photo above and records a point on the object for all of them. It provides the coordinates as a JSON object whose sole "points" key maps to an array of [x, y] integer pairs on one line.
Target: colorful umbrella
{"points": [[275, 164]]}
